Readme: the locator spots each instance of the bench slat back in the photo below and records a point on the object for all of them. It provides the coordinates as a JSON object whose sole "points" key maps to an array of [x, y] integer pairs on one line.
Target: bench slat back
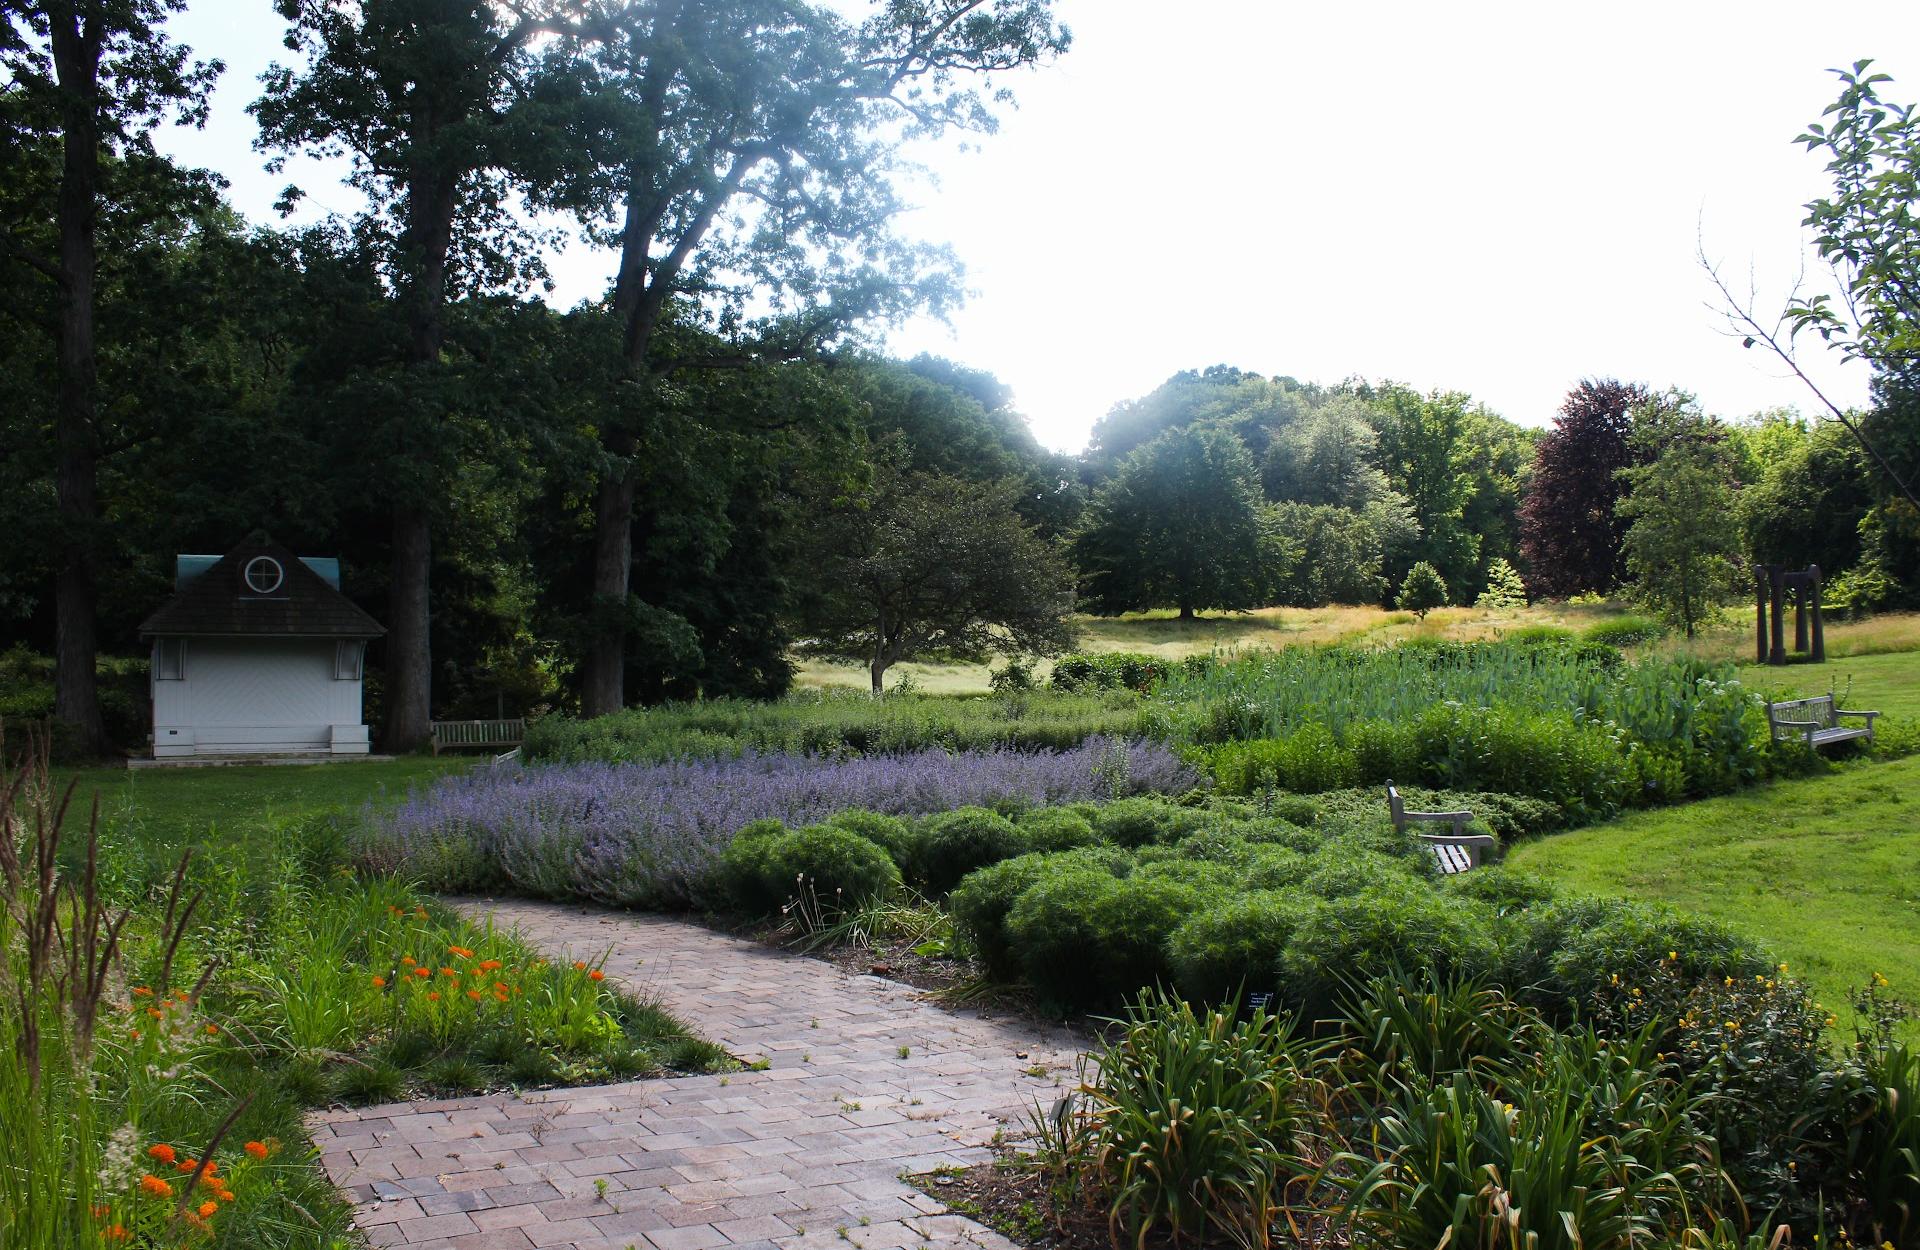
{"points": [[476, 733]]}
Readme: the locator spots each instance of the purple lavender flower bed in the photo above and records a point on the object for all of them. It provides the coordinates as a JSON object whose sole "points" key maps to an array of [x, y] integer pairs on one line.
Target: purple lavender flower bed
{"points": [[649, 835]]}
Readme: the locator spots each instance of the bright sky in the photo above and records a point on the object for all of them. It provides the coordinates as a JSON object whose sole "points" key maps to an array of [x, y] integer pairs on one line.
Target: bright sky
{"points": [[1496, 198]]}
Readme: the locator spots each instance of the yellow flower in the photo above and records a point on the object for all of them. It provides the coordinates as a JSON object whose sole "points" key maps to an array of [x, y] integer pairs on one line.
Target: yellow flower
{"points": [[1672, 955]]}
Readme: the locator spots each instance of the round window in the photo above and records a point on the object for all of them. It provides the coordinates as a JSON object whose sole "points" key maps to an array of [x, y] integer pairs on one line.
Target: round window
{"points": [[264, 575]]}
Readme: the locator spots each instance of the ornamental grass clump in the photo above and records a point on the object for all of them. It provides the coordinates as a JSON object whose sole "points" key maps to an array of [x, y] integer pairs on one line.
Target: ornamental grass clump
{"points": [[1188, 1124], [650, 835]]}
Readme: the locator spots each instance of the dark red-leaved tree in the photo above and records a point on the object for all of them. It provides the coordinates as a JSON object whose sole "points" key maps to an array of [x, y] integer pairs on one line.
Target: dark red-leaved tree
{"points": [[1569, 534]]}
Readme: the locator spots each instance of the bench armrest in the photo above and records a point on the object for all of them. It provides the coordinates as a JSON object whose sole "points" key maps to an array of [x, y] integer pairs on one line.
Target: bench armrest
{"points": [[1841, 711], [1437, 816]]}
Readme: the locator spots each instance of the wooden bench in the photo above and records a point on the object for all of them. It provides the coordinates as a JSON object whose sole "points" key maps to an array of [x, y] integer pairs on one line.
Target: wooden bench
{"points": [[1816, 722], [1457, 851], [450, 735]]}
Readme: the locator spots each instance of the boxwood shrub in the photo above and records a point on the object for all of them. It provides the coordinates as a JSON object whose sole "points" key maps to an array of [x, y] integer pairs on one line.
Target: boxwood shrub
{"points": [[891, 834], [843, 868], [1231, 946], [1140, 821], [1397, 925], [1084, 937], [979, 906], [955, 843], [1057, 829]]}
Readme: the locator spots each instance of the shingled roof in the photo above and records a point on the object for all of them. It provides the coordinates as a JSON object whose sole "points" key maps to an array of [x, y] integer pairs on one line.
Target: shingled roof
{"points": [[220, 602]]}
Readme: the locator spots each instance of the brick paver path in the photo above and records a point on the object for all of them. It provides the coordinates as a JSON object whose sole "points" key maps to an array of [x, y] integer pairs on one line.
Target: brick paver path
{"points": [[789, 1156]]}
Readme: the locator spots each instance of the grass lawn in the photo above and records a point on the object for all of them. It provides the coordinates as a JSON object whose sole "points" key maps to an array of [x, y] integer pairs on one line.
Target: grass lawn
{"points": [[1824, 870], [237, 808], [1887, 683]]}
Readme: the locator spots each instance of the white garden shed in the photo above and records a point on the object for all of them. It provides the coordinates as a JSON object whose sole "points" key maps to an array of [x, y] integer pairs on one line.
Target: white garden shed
{"points": [[258, 653]]}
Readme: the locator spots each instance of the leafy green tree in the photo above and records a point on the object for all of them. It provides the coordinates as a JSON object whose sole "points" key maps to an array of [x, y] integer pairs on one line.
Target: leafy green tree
{"points": [[1806, 498], [1325, 554], [915, 563], [1253, 407], [741, 156], [435, 106], [1425, 447], [1682, 540], [1423, 590], [1504, 589], [1179, 524], [87, 82]]}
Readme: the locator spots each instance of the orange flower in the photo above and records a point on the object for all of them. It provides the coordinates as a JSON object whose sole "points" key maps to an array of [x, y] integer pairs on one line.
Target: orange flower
{"points": [[500, 987], [116, 1233], [187, 1165], [152, 1184], [500, 995], [224, 1195], [212, 1029], [422, 972], [379, 983], [162, 1152], [474, 995], [596, 975], [490, 965], [208, 1208], [406, 961], [134, 1034], [101, 1213], [141, 991], [460, 952], [579, 965], [156, 1013], [433, 996], [449, 972], [257, 1149]]}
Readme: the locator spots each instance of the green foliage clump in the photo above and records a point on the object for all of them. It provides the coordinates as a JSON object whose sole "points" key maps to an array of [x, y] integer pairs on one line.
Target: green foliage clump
{"points": [[1622, 631], [980, 904], [1110, 670], [1397, 924], [1232, 945], [1085, 937], [839, 723], [1057, 829], [1539, 635], [840, 867], [1505, 590], [891, 834], [1140, 821], [955, 843], [1234, 1085], [1422, 591]]}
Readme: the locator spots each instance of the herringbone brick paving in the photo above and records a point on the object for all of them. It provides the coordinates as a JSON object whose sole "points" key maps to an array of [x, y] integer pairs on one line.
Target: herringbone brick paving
{"points": [[807, 1153]]}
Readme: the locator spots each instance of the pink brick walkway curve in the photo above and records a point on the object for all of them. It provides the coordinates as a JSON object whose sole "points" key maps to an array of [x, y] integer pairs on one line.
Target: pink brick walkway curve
{"points": [[784, 1157]]}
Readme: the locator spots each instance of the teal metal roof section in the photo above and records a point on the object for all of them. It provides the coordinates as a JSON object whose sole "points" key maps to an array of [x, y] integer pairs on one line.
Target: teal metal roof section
{"points": [[187, 568]]}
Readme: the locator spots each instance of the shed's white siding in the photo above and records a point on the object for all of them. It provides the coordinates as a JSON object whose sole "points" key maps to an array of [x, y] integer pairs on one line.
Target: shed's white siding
{"points": [[245, 696]]}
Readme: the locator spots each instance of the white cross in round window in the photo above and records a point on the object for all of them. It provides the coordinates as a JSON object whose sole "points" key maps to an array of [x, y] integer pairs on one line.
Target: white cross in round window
{"points": [[264, 575]]}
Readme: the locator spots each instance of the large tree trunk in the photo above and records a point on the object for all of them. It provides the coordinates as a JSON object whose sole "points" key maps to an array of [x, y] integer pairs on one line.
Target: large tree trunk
{"points": [[1186, 611], [409, 668], [76, 697], [603, 679], [409, 651]]}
